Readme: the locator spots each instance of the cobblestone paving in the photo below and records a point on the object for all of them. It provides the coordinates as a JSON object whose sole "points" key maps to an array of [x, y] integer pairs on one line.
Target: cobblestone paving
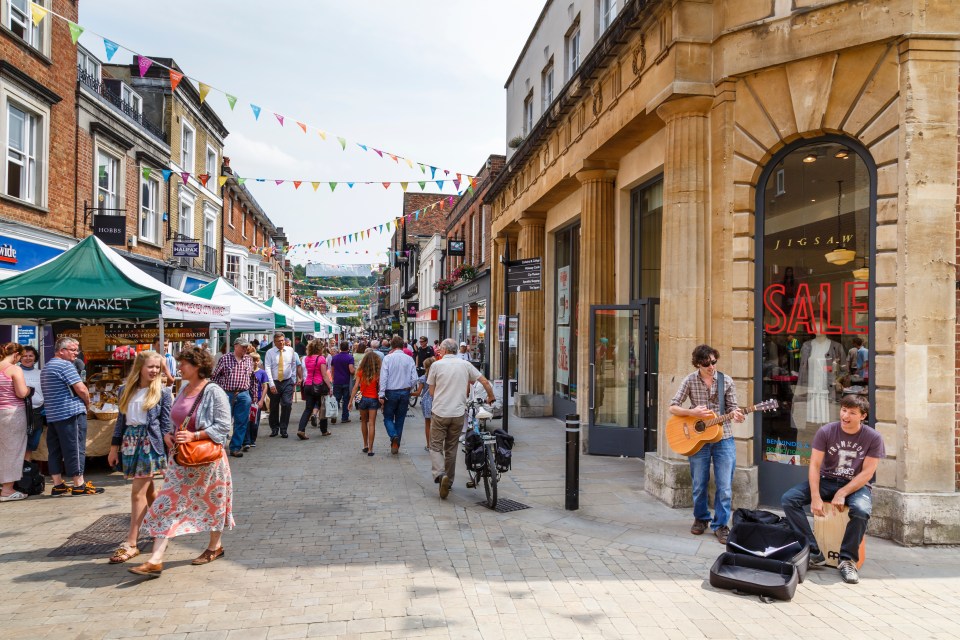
{"points": [[332, 543]]}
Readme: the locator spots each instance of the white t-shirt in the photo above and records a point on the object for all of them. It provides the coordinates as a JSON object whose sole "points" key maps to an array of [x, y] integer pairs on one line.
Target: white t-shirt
{"points": [[135, 411], [451, 375]]}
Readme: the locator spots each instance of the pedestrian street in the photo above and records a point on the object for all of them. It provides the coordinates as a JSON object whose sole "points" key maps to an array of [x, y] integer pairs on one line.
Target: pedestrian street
{"points": [[332, 543]]}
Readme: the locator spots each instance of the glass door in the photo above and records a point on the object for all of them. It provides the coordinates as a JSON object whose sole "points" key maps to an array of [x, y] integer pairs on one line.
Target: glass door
{"points": [[623, 355]]}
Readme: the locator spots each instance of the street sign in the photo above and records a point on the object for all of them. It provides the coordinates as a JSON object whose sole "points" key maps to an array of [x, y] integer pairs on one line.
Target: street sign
{"points": [[110, 229], [184, 249], [524, 275]]}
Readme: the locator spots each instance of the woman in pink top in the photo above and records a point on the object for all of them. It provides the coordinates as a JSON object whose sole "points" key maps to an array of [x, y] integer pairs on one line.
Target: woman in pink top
{"points": [[317, 385], [13, 421]]}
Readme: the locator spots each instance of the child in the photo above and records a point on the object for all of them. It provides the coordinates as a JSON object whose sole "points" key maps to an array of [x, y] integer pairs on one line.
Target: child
{"points": [[843, 462], [426, 400]]}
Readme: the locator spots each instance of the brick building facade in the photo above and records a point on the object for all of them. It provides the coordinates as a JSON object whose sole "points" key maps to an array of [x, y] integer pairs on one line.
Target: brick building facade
{"points": [[37, 126], [247, 231]]}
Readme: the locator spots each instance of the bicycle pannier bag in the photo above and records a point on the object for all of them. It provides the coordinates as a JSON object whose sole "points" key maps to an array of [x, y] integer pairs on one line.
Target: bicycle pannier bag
{"points": [[475, 453], [504, 451]]}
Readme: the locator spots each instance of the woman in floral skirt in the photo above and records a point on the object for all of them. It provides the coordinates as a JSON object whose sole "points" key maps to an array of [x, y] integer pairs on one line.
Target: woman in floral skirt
{"points": [[142, 424], [193, 499]]}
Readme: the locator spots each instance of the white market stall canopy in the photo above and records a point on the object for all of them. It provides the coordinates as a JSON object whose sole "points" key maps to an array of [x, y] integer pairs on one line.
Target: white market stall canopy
{"points": [[301, 321], [246, 314]]}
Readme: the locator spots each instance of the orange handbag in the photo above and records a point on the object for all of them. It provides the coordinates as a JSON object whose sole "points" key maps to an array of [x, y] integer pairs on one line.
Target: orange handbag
{"points": [[196, 453]]}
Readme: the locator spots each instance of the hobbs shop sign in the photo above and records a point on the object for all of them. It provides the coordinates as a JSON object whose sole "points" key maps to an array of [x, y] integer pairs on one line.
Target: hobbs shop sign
{"points": [[20, 255]]}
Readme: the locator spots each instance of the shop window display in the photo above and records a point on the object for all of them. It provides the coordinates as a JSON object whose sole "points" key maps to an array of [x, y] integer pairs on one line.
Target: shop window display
{"points": [[816, 250]]}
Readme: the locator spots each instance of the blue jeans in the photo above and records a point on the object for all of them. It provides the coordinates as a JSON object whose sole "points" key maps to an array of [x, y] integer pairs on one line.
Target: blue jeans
{"points": [[395, 405], [342, 393], [240, 406], [860, 504], [724, 457], [67, 446]]}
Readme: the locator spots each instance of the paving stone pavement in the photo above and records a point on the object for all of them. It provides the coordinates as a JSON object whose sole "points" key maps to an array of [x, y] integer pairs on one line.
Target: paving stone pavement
{"points": [[332, 543]]}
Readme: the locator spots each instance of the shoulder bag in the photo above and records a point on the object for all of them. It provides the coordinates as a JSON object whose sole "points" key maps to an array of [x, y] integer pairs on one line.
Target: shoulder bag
{"points": [[196, 453], [320, 389]]}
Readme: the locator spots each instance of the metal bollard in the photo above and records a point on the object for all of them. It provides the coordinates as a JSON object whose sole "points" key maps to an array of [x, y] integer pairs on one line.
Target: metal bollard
{"points": [[573, 462]]}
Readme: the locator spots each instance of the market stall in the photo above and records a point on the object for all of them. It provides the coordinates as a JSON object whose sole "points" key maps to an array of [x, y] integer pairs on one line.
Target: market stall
{"points": [[93, 292], [302, 323], [246, 314]]}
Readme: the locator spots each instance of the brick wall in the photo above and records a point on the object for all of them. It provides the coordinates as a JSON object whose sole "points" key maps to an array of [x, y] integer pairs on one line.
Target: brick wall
{"points": [[468, 214], [57, 74]]}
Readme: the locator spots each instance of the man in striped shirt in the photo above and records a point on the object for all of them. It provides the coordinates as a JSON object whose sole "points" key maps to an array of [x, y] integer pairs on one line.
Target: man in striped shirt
{"points": [[66, 399], [234, 374]]}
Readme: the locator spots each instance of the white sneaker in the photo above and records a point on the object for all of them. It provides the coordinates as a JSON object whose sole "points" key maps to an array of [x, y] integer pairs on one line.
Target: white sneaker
{"points": [[16, 495]]}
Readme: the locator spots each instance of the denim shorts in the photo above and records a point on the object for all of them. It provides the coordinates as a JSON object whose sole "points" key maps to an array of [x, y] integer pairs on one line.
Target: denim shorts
{"points": [[368, 403]]}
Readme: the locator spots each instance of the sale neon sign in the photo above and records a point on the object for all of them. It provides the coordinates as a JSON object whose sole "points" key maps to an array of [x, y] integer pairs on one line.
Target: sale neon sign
{"points": [[810, 314]]}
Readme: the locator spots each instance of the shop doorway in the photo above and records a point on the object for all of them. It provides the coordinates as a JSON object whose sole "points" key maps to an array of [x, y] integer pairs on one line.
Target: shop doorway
{"points": [[623, 378]]}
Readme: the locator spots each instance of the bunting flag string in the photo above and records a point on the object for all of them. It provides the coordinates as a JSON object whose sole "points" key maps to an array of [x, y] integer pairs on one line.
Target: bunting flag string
{"points": [[393, 223], [39, 13]]}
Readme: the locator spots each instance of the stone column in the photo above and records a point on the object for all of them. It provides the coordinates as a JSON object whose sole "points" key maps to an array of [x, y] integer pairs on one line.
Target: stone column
{"points": [[925, 506], [596, 269], [685, 268], [530, 394]]}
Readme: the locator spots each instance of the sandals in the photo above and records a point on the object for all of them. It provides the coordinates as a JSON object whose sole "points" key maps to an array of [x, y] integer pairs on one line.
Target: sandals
{"points": [[208, 556], [16, 495], [124, 553]]}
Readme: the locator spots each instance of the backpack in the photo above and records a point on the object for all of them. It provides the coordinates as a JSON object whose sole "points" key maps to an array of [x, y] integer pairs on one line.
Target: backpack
{"points": [[474, 451], [504, 451], [32, 483]]}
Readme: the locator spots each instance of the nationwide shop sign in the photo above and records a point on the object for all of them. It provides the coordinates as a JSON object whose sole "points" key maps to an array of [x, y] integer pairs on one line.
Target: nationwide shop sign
{"points": [[524, 275], [20, 255]]}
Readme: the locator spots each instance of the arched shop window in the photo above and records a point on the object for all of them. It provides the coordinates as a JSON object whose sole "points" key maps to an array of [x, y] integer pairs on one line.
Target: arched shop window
{"points": [[816, 211]]}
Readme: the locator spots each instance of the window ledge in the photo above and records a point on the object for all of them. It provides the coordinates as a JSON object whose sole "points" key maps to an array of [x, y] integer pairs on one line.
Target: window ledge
{"points": [[23, 203], [29, 48], [149, 243]]}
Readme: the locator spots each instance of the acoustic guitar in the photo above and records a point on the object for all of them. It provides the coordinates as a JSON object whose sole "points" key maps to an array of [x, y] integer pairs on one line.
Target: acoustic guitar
{"points": [[687, 434]]}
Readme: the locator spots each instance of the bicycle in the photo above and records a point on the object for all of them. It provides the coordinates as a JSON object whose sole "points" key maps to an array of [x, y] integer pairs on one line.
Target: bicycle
{"points": [[481, 466]]}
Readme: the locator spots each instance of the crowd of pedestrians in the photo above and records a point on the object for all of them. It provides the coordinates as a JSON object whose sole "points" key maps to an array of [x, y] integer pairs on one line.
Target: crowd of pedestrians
{"points": [[215, 416]]}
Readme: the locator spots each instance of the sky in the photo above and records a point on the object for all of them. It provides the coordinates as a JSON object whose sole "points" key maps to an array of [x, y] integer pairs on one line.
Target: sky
{"points": [[421, 79]]}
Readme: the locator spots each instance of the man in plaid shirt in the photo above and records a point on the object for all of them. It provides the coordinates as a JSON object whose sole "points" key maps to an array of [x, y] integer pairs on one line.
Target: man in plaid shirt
{"points": [[234, 374], [701, 388]]}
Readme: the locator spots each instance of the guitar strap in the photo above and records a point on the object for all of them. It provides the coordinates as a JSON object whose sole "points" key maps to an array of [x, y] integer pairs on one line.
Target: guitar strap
{"points": [[720, 395]]}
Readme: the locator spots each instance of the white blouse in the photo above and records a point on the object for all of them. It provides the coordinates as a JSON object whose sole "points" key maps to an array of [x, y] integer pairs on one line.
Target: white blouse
{"points": [[135, 412]]}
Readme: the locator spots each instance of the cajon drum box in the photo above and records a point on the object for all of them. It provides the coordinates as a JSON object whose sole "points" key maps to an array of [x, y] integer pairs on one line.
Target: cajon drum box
{"points": [[829, 529]]}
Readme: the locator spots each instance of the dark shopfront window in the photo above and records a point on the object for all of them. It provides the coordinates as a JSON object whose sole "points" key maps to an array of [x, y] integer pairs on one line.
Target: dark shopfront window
{"points": [[646, 205], [816, 221], [566, 299]]}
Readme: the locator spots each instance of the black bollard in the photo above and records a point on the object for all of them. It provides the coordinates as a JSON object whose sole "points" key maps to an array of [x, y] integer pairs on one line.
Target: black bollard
{"points": [[573, 462]]}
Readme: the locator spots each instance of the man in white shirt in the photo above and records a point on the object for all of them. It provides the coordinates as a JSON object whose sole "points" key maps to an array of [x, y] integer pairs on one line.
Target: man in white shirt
{"points": [[398, 374], [449, 379], [284, 373], [464, 354]]}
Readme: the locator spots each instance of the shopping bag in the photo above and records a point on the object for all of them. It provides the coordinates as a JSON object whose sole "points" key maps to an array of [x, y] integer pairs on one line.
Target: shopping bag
{"points": [[332, 407]]}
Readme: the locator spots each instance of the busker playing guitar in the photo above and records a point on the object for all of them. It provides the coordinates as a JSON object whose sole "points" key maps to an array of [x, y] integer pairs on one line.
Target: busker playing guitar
{"points": [[701, 387]]}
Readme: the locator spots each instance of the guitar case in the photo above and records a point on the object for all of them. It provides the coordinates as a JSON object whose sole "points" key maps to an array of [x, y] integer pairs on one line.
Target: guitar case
{"points": [[764, 577], [757, 536]]}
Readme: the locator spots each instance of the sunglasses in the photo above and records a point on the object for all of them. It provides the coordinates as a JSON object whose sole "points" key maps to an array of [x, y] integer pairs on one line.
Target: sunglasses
{"points": [[708, 363]]}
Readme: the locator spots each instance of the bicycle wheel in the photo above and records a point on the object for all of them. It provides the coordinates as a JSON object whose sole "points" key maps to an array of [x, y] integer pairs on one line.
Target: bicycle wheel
{"points": [[490, 479], [413, 401]]}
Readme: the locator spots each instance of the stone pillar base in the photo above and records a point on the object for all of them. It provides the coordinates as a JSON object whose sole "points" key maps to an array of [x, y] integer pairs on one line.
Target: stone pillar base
{"points": [[530, 405], [915, 518], [669, 482]]}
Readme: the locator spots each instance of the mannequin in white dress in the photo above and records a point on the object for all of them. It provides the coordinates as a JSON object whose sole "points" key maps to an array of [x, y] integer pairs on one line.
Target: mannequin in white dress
{"points": [[819, 359]]}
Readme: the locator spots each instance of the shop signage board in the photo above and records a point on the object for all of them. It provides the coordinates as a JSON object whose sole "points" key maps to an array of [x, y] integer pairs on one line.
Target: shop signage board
{"points": [[115, 334], [26, 335], [456, 248], [524, 275], [110, 229], [186, 249], [20, 255], [93, 337]]}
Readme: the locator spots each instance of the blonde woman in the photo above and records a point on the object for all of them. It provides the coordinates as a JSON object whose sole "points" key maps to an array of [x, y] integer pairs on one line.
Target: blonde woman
{"points": [[142, 424]]}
